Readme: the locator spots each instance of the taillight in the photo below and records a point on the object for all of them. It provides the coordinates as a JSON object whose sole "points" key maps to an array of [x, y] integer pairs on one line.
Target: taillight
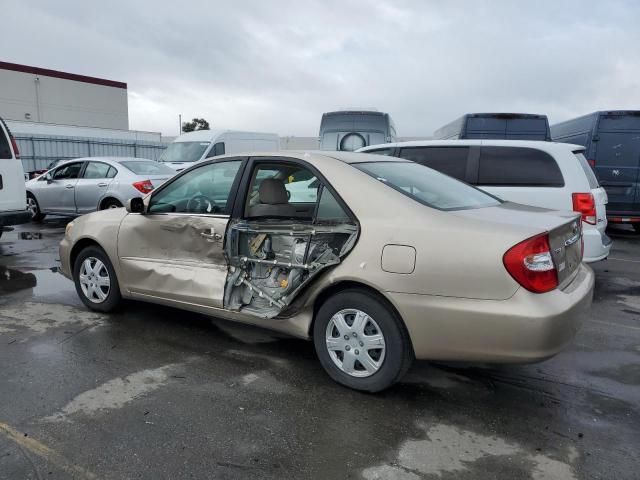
{"points": [[592, 162], [144, 186], [14, 145], [585, 204], [531, 265]]}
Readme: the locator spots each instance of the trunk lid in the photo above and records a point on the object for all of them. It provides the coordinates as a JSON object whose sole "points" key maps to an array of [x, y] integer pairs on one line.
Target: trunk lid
{"points": [[156, 180], [564, 228]]}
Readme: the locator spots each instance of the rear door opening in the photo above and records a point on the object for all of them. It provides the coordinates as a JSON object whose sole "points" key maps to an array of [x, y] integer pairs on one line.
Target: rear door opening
{"points": [[292, 227]]}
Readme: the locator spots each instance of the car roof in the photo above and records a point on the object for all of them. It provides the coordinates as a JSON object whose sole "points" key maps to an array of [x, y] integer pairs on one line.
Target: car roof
{"points": [[539, 144]]}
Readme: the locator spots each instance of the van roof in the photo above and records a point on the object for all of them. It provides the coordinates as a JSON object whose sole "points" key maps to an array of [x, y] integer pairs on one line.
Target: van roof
{"points": [[210, 135], [539, 144]]}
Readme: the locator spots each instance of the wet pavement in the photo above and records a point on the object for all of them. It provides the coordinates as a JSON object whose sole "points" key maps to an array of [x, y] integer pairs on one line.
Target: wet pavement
{"points": [[152, 392]]}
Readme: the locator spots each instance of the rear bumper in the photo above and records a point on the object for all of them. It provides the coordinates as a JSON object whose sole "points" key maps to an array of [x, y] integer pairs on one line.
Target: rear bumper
{"points": [[527, 327], [14, 217], [597, 245]]}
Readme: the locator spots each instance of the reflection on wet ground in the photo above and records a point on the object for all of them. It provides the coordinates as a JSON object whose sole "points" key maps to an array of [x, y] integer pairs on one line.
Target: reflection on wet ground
{"points": [[14, 280]]}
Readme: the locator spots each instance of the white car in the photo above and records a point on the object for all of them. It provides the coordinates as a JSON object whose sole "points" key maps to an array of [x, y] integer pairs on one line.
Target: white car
{"points": [[195, 146], [543, 174], [13, 205], [83, 185]]}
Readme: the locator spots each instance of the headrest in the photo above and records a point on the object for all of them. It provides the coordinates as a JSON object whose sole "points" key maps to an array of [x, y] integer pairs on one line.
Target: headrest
{"points": [[272, 192]]}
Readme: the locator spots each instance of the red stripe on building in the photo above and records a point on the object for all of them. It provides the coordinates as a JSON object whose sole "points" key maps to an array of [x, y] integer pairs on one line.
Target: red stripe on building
{"points": [[45, 72]]}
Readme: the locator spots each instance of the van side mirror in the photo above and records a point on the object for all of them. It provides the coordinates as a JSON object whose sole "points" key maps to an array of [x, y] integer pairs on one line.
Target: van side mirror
{"points": [[135, 205]]}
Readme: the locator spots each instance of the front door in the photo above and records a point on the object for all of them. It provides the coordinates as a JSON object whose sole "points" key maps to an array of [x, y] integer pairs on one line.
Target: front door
{"points": [[175, 250], [59, 193]]}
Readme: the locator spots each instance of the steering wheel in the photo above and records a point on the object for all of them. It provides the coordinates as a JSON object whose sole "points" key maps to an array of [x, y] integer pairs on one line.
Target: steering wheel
{"points": [[202, 204]]}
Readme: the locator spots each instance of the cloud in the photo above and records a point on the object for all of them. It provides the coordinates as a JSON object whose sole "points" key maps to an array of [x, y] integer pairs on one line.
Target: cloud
{"points": [[277, 65]]}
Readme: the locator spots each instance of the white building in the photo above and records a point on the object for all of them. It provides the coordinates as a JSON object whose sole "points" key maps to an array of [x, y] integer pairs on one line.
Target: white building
{"points": [[49, 96]]}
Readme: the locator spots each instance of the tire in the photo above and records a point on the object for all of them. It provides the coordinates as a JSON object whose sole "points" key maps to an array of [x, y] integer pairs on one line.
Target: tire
{"points": [[34, 207], [111, 203], [384, 366], [93, 292], [636, 227]]}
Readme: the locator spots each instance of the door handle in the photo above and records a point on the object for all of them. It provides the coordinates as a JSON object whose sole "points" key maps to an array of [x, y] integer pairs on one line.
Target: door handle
{"points": [[68, 186], [102, 184], [211, 235]]}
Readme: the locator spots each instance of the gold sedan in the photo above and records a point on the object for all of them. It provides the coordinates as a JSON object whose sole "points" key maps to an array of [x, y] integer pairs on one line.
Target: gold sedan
{"points": [[378, 260]]}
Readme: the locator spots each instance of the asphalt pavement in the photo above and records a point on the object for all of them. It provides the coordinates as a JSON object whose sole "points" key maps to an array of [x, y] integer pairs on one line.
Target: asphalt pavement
{"points": [[153, 392]]}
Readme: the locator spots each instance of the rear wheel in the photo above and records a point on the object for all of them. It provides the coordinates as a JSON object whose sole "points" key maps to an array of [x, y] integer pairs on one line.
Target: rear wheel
{"points": [[34, 208], [95, 280], [361, 342], [636, 227], [111, 203]]}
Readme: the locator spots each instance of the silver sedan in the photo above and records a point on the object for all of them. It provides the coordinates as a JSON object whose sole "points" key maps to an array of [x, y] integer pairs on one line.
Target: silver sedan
{"points": [[84, 185]]}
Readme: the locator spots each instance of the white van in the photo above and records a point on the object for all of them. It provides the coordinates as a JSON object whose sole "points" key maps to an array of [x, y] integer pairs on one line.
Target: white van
{"points": [[193, 146], [538, 173], [13, 195]]}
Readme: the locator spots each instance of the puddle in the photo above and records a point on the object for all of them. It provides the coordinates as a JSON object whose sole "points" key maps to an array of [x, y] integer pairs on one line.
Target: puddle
{"points": [[41, 282], [13, 281], [30, 236]]}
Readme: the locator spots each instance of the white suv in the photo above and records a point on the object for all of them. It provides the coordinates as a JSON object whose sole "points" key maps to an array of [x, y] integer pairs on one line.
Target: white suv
{"points": [[543, 174], [13, 195]]}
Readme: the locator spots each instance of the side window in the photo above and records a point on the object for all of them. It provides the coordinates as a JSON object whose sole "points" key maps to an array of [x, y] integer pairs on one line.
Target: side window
{"points": [[381, 151], [451, 161], [282, 190], [218, 149], [518, 166], [329, 210], [69, 171], [96, 170], [204, 190], [112, 172]]}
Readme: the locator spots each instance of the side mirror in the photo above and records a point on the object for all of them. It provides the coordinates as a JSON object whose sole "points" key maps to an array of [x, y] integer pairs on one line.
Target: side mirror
{"points": [[135, 205], [49, 178]]}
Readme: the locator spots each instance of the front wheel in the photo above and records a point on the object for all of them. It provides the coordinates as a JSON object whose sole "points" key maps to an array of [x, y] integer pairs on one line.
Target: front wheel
{"points": [[361, 342], [96, 281]]}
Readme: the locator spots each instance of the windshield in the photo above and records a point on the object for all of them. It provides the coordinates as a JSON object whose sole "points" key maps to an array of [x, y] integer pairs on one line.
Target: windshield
{"points": [[184, 152], [428, 186], [148, 168]]}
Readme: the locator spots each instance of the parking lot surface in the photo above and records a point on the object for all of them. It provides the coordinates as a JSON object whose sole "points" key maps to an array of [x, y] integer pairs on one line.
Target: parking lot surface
{"points": [[153, 392]]}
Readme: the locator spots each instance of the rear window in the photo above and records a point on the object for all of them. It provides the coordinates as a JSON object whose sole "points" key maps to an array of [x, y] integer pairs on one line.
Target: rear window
{"points": [[428, 186], [148, 168], [588, 171], [518, 167], [451, 161]]}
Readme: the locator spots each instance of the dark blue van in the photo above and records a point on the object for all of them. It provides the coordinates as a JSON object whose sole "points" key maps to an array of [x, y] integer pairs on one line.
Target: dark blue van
{"points": [[505, 126], [612, 140]]}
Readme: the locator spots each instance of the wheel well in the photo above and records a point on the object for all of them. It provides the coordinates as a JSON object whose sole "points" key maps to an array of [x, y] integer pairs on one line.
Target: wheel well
{"points": [[105, 200], [78, 247], [346, 285]]}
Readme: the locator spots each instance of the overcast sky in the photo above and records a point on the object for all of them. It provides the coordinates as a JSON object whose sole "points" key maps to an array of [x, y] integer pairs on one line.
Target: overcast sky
{"points": [[277, 65]]}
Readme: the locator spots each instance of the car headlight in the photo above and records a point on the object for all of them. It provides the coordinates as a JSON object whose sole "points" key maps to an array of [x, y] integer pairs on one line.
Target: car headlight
{"points": [[68, 229]]}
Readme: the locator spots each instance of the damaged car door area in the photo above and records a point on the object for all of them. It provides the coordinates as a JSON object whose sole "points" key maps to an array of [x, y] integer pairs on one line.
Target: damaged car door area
{"points": [[175, 250], [290, 226]]}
